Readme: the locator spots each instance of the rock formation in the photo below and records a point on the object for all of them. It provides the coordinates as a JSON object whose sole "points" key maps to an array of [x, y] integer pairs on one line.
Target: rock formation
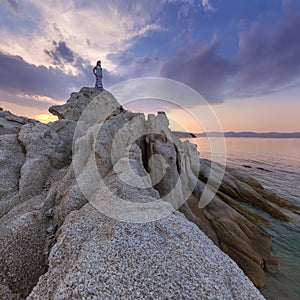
{"points": [[66, 236], [10, 123]]}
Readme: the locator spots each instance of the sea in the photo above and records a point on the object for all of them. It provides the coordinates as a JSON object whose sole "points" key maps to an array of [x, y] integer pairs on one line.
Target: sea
{"points": [[275, 163]]}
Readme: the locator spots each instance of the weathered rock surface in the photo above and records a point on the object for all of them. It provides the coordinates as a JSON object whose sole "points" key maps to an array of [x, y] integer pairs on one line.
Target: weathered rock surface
{"points": [[169, 258], [10, 123], [12, 158], [74, 107], [23, 240], [54, 242]]}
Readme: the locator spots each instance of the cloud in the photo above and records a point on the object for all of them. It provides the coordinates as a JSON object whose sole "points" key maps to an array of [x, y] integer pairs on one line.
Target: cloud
{"points": [[39, 86], [93, 30], [269, 61], [61, 53], [14, 6], [131, 65], [54, 54], [187, 5], [144, 31], [201, 68], [207, 5], [266, 62], [18, 76]]}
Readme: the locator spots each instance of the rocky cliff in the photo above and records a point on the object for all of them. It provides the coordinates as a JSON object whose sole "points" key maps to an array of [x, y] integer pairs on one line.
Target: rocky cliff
{"points": [[69, 232]]}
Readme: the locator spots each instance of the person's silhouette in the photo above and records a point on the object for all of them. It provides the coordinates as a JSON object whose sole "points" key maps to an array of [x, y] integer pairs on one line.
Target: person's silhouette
{"points": [[97, 70]]}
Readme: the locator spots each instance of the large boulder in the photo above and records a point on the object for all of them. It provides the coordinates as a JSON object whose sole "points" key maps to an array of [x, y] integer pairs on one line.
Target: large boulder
{"points": [[98, 257], [78, 102], [22, 243]]}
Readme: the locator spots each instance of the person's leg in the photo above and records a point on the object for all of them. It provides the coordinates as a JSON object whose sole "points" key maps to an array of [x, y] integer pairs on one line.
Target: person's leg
{"points": [[98, 84]]}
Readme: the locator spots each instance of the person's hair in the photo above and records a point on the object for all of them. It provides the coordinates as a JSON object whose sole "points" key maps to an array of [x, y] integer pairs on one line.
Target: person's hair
{"points": [[99, 61]]}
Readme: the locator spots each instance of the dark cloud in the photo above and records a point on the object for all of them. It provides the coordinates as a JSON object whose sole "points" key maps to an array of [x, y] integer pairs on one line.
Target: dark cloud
{"points": [[269, 61], [266, 62], [202, 69], [61, 54], [17, 76], [19, 79], [14, 6]]}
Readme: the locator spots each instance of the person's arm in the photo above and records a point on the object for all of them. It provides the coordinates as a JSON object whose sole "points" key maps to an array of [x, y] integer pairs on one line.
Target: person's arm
{"points": [[94, 71], [101, 73]]}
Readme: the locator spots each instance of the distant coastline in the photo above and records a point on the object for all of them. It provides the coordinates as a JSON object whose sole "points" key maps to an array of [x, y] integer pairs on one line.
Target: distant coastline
{"points": [[240, 134]]}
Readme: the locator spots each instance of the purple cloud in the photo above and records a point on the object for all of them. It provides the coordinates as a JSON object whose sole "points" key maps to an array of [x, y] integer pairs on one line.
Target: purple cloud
{"points": [[18, 76], [201, 68], [61, 53], [14, 6], [22, 83], [269, 61]]}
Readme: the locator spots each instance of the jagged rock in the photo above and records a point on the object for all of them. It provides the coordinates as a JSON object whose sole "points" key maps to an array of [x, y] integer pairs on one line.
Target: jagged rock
{"points": [[245, 188], [91, 254], [12, 158], [267, 195], [78, 102], [45, 151], [34, 174], [64, 129], [41, 141], [22, 240], [10, 124], [192, 212], [97, 257], [242, 240]]}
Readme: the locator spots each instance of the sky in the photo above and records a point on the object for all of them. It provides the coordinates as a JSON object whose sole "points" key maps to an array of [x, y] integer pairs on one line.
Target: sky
{"points": [[242, 56]]}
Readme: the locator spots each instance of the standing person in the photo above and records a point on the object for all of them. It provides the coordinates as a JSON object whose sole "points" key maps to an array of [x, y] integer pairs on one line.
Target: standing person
{"points": [[98, 73]]}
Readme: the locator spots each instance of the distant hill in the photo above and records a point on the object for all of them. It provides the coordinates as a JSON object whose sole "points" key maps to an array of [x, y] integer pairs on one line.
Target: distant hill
{"points": [[249, 134], [182, 134]]}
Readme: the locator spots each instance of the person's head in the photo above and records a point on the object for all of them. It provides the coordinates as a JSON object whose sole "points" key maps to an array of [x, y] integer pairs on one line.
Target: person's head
{"points": [[99, 63]]}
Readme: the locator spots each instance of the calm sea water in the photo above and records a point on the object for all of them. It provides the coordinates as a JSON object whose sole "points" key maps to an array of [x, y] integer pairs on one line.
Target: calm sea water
{"points": [[280, 159]]}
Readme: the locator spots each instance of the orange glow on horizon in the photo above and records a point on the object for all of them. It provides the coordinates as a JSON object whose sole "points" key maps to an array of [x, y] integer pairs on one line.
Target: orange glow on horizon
{"points": [[264, 114], [45, 118]]}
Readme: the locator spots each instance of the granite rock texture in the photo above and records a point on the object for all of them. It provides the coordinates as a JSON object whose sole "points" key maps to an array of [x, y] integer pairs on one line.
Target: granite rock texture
{"points": [[96, 217], [96, 257]]}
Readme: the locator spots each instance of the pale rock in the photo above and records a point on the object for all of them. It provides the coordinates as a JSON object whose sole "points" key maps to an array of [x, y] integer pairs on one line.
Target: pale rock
{"points": [[96, 257], [11, 124], [12, 157], [34, 174], [102, 104], [6, 293], [41, 141], [122, 164], [22, 245]]}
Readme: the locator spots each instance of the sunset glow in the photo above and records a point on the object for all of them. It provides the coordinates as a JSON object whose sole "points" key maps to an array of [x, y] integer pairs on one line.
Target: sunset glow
{"points": [[241, 56]]}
